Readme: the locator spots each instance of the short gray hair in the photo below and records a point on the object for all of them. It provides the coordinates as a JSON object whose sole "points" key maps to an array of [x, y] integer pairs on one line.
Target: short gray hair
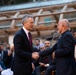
{"points": [[26, 17], [66, 21]]}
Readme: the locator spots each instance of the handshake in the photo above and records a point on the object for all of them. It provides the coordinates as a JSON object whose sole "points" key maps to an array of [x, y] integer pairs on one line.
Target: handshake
{"points": [[35, 55]]}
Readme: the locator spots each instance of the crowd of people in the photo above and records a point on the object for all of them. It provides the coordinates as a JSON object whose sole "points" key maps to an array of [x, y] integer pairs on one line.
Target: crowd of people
{"points": [[6, 56], [34, 58], [44, 64]]}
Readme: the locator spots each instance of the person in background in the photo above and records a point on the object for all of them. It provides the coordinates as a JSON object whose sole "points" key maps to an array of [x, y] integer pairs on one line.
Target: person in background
{"points": [[42, 47], [51, 66], [2, 66], [47, 44], [45, 61], [9, 57], [3, 54], [12, 50], [37, 43]]}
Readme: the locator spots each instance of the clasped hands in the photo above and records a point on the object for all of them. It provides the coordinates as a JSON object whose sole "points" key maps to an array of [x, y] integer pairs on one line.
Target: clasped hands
{"points": [[35, 55]]}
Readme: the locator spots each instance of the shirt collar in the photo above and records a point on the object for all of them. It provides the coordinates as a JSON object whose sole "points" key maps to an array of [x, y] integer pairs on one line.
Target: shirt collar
{"points": [[25, 30]]}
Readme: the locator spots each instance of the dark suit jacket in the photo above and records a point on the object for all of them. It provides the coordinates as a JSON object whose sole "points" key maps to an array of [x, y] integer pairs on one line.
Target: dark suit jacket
{"points": [[2, 65], [4, 56], [8, 61], [64, 54], [23, 54]]}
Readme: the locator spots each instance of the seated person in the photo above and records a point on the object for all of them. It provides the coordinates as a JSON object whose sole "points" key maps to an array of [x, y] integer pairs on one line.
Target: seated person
{"points": [[43, 61], [2, 67]]}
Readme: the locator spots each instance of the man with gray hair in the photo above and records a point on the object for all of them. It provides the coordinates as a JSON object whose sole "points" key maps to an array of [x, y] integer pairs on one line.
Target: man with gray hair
{"points": [[22, 63], [63, 50]]}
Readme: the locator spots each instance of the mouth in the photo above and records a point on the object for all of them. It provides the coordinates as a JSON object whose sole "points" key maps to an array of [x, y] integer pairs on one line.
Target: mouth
{"points": [[32, 28]]}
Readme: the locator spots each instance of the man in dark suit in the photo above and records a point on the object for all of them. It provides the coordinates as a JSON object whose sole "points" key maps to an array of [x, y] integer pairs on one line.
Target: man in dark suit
{"points": [[63, 50], [22, 63], [3, 54]]}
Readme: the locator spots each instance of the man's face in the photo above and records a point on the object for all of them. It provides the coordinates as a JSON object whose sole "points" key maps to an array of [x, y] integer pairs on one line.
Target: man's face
{"points": [[29, 23], [60, 27], [74, 35], [47, 44], [2, 47], [37, 42]]}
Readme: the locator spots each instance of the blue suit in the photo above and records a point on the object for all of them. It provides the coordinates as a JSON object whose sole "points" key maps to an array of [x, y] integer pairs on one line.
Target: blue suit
{"points": [[64, 54]]}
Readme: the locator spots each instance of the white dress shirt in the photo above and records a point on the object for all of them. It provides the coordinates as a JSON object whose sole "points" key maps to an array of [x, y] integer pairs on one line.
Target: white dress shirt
{"points": [[26, 31]]}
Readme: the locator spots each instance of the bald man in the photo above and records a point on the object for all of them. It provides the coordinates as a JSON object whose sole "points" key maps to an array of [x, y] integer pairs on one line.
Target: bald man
{"points": [[63, 50]]}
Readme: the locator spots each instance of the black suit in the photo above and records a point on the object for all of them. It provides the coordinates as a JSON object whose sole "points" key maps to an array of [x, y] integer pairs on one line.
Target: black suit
{"points": [[23, 54], [64, 54], [8, 61]]}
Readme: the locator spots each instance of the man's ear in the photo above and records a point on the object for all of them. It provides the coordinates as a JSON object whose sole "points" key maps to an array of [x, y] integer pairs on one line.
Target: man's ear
{"points": [[63, 25]]}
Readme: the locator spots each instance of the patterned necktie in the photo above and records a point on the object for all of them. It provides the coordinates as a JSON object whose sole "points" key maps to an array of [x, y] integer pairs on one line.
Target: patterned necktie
{"points": [[30, 39]]}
